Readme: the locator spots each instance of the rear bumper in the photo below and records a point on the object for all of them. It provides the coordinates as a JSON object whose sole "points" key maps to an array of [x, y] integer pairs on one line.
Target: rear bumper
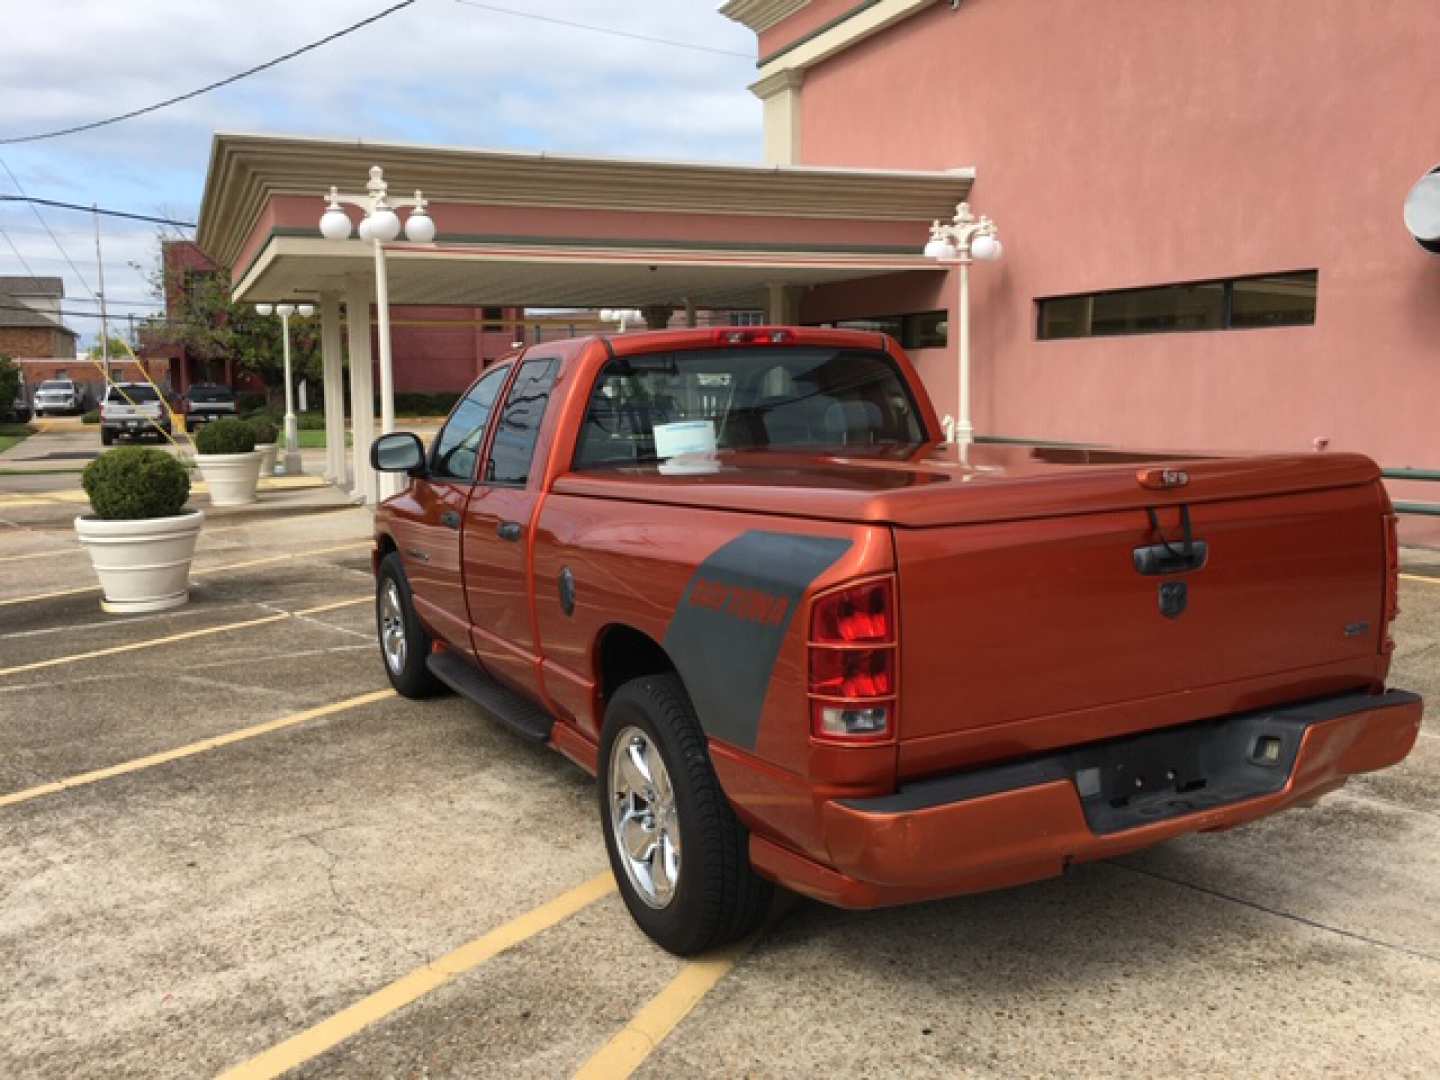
{"points": [[1009, 824]]}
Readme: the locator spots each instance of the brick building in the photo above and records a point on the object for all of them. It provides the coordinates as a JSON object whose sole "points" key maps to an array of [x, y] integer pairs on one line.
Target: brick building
{"points": [[30, 322]]}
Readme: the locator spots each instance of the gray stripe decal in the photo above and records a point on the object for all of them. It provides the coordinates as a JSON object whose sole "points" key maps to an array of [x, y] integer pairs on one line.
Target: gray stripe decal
{"points": [[732, 619]]}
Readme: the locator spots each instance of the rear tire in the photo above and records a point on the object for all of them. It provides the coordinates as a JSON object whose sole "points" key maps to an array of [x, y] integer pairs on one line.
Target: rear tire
{"points": [[404, 642], [107, 438], [715, 896]]}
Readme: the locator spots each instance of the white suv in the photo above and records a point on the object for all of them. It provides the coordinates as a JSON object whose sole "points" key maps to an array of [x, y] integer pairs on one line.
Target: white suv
{"points": [[57, 396]]}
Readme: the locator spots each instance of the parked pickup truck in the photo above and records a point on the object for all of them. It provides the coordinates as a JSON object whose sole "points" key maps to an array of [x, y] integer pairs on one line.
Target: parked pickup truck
{"points": [[738, 576], [133, 410]]}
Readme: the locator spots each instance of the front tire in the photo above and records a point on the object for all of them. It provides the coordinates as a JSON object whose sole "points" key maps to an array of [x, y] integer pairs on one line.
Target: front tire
{"points": [[404, 643], [679, 854]]}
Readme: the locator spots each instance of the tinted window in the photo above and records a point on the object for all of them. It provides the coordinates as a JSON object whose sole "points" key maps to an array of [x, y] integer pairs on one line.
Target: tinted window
{"points": [[520, 423], [203, 392], [134, 392], [920, 330], [749, 398], [458, 443], [1227, 304], [55, 384]]}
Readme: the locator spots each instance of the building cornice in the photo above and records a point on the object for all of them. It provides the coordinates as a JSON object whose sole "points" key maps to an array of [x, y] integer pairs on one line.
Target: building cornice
{"points": [[866, 18], [761, 15], [247, 171]]}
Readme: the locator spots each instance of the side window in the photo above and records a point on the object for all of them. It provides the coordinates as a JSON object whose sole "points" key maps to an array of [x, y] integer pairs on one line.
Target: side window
{"points": [[514, 444], [458, 443]]}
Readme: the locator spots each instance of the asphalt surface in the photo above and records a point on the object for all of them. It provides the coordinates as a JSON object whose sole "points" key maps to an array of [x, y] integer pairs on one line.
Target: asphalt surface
{"points": [[184, 916]]}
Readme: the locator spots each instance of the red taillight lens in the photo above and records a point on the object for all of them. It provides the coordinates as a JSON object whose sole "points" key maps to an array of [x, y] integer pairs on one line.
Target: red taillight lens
{"points": [[855, 616], [760, 336], [852, 672]]}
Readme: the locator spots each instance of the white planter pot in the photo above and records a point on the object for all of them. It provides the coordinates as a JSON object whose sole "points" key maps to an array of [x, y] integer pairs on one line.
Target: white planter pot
{"points": [[267, 457], [231, 478], [143, 565]]}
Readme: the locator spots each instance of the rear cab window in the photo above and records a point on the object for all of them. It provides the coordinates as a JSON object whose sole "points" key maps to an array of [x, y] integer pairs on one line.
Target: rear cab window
{"points": [[519, 427], [647, 408], [124, 393]]}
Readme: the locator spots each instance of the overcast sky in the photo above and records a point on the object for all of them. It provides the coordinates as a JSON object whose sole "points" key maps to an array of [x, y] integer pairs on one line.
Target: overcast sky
{"points": [[439, 71]]}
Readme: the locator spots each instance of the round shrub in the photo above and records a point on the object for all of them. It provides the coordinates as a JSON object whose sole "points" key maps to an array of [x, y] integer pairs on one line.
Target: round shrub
{"points": [[225, 437], [264, 429], [134, 482]]}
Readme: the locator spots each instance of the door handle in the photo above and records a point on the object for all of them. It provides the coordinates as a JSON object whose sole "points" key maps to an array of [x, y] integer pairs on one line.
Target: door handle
{"points": [[450, 519], [508, 530]]}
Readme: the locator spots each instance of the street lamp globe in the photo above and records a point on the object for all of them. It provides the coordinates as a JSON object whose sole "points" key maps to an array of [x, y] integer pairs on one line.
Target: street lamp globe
{"points": [[305, 310], [986, 248], [363, 229], [264, 309], [939, 246], [384, 225], [284, 310], [420, 227], [335, 224]]}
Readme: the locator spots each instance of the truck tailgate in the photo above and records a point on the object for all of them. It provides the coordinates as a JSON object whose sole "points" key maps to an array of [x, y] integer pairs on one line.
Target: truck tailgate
{"points": [[1013, 620]]}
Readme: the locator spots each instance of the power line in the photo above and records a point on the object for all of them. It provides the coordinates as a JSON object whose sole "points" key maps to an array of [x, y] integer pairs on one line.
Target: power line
{"points": [[45, 225], [212, 86], [97, 210], [603, 30], [15, 249], [71, 314]]}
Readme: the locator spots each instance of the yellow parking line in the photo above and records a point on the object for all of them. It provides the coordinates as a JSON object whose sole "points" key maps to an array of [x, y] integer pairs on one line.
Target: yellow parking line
{"points": [[410, 988], [633, 1043], [198, 573], [80, 779], [1421, 577], [204, 631]]}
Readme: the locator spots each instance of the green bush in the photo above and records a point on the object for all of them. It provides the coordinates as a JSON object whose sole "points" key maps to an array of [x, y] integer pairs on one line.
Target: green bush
{"points": [[266, 430], [91, 417], [136, 482], [414, 404], [275, 416], [311, 421], [225, 437], [250, 402]]}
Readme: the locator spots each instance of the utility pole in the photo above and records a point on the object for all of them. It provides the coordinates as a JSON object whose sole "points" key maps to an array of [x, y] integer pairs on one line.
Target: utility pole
{"points": [[104, 322]]}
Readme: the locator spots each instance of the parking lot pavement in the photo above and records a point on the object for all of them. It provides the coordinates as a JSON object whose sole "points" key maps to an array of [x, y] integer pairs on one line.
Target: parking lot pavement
{"points": [[228, 845]]}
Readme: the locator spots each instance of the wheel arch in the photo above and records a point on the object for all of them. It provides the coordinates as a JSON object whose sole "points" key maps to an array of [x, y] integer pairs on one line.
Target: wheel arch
{"points": [[622, 653]]}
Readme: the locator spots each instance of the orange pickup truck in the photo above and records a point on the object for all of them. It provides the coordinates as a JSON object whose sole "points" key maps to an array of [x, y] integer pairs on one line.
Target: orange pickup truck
{"points": [[739, 576]]}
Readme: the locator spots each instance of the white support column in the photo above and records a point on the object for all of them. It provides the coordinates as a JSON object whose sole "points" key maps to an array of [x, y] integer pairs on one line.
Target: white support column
{"points": [[783, 308], [333, 359], [362, 387], [780, 94]]}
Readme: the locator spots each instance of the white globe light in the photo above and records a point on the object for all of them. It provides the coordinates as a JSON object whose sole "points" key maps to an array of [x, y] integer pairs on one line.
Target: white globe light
{"points": [[420, 227], [335, 224], [985, 248], [306, 310], [284, 310], [264, 309], [935, 249], [363, 229], [384, 225]]}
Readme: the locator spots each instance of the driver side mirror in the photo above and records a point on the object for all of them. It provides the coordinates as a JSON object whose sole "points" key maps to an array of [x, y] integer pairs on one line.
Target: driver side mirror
{"points": [[399, 451]]}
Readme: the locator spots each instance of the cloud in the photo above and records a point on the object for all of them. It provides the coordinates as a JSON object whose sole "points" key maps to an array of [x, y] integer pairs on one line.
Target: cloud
{"points": [[438, 71]]}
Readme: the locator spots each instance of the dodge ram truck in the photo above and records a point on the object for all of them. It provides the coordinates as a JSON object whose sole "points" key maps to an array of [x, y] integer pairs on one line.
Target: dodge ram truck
{"points": [[740, 577]]}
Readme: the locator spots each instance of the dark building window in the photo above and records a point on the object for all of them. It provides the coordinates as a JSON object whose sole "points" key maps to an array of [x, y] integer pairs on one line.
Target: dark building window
{"points": [[1228, 304], [917, 330]]}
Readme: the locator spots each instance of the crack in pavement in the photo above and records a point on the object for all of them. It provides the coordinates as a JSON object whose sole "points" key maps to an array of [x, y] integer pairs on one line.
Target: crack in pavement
{"points": [[1290, 915], [342, 905]]}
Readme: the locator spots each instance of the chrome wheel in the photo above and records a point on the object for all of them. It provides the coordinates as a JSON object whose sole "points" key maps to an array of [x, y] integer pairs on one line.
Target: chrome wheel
{"points": [[644, 820], [392, 627]]}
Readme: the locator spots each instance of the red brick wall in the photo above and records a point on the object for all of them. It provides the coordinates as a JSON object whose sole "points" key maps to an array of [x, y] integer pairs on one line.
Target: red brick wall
{"points": [[35, 341]]}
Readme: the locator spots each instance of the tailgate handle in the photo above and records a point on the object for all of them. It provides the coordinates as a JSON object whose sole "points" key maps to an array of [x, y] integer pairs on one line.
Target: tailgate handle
{"points": [[1169, 557]]}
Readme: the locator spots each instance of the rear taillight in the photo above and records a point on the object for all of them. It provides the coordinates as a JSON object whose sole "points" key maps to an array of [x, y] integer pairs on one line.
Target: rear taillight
{"points": [[853, 663], [1392, 568]]}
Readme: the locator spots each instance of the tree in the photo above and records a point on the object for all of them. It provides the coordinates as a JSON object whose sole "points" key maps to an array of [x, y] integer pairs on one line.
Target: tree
{"points": [[119, 350], [9, 383], [212, 327]]}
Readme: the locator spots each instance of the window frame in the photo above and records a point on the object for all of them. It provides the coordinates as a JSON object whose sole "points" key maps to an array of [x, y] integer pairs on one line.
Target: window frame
{"points": [[553, 365], [1227, 308], [506, 369]]}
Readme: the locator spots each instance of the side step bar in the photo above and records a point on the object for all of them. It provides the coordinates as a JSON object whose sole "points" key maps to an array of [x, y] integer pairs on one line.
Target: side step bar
{"points": [[519, 713]]}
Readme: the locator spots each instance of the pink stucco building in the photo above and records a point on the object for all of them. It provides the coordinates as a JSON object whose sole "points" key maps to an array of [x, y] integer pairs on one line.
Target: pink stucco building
{"points": [[1132, 144]]}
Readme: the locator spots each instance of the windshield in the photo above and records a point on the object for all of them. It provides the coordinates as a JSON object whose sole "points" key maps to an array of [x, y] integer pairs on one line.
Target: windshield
{"points": [[648, 408], [55, 384], [134, 392], [211, 393]]}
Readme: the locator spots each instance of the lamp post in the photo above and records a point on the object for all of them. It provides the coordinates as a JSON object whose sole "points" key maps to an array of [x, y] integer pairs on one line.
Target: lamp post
{"points": [[961, 241], [380, 225], [292, 428]]}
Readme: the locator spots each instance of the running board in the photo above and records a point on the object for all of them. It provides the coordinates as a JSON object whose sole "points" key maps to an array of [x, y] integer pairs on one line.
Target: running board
{"points": [[516, 712]]}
